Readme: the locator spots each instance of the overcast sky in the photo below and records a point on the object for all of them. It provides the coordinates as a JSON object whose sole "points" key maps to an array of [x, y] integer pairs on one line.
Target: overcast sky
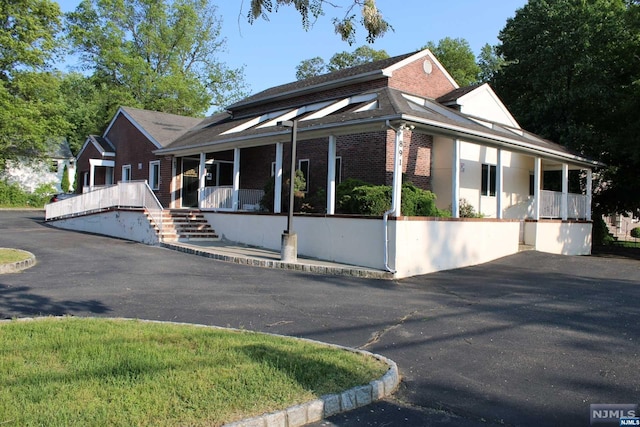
{"points": [[270, 51]]}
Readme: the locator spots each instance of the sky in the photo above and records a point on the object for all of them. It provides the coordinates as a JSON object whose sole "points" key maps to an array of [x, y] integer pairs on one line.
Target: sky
{"points": [[270, 50]]}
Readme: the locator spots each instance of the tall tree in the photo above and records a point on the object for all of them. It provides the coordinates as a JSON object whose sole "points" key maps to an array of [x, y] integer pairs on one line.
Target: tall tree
{"points": [[572, 74], [489, 62], [345, 26], [29, 101], [158, 55], [316, 66], [457, 58]]}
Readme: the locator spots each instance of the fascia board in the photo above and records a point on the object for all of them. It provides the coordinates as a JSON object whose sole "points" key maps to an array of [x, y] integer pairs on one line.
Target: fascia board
{"points": [[498, 142]]}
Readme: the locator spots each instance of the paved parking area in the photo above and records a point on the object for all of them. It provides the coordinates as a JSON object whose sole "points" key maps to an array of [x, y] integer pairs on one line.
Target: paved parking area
{"points": [[529, 340]]}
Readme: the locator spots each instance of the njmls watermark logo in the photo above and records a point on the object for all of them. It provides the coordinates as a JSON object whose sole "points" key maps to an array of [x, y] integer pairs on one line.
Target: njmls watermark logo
{"points": [[602, 414]]}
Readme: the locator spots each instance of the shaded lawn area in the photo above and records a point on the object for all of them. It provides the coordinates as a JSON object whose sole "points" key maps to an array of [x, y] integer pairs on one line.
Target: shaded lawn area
{"points": [[95, 372]]}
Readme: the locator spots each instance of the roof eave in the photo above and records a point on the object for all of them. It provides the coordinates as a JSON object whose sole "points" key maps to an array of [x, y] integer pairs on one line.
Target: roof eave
{"points": [[497, 141]]}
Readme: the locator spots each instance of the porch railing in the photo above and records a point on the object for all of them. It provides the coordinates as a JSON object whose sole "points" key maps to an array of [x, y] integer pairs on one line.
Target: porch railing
{"points": [[132, 194], [221, 198], [551, 205]]}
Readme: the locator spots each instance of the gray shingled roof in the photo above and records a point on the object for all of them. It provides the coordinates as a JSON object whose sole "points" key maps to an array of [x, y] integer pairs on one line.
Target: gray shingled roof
{"points": [[457, 93], [103, 143], [163, 127], [313, 82], [428, 116]]}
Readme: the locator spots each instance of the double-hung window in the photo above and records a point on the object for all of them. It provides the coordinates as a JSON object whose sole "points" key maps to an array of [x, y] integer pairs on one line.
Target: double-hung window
{"points": [[154, 175], [488, 180]]}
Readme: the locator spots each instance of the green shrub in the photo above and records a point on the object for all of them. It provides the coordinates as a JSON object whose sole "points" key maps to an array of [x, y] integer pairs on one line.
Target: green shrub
{"points": [[266, 203], [12, 195], [467, 210], [635, 232], [64, 183], [357, 197], [600, 233], [344, 197]]}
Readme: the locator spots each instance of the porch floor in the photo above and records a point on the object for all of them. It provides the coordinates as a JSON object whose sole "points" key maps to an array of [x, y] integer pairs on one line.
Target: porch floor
{"points": [[261, 257]]}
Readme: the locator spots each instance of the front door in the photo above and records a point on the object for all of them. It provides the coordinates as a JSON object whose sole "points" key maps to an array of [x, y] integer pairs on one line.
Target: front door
{"points": [[190, 182]]}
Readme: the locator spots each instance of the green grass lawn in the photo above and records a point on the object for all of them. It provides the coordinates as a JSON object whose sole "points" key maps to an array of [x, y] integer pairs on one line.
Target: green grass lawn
{"points": [[96, 372], [8, 255]]}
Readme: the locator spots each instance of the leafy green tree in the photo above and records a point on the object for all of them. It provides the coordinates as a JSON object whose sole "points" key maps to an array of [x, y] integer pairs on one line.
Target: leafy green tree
{"points": [[158, 55], [29, 102], [490, 62], [310, 10], [316, 66], [457, 58], [572, 75], [64, 182]]}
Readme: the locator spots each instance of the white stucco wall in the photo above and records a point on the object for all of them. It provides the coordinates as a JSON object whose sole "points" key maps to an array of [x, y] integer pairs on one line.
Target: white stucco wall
{"points": [[559, 237], [516, 171], [354, 241], [426, 246], [129, 225]]}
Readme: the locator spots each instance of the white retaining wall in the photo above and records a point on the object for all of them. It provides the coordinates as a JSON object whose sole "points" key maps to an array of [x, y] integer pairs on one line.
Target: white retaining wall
{"points": [[423, 247], [129, 225], [559, 237]]}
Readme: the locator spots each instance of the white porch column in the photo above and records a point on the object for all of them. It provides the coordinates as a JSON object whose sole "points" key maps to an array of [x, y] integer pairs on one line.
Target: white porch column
{"points": [[92, 175], [396, 193], [277, 190], [202, 175], [589, 193], [173, 185], [499, 185], [236, 179], [564, 206], [455, 179], [331, 176], [537, 171]]}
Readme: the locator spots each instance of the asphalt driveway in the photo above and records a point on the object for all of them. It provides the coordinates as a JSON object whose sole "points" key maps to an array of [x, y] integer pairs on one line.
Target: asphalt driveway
{"points": [[529, 340]]}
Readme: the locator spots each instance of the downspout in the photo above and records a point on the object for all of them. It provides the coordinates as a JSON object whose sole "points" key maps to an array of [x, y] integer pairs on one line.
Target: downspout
{"points": [[385, 217]]}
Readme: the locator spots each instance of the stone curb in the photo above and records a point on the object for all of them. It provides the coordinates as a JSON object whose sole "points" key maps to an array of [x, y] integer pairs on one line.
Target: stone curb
{"points": [[308, 412], [14, 267], [299, 266]]}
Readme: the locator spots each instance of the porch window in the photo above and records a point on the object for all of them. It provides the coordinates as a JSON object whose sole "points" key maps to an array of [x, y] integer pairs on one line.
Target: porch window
{"points": [[154, 175], [338, 170], [126, 173], [303, 165], [488, 180]]}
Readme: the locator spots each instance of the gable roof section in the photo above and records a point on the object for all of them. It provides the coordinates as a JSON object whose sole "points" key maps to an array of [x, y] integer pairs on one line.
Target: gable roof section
{"points": [[361, 73], [159, 128], [479, 100], [102, 145]]}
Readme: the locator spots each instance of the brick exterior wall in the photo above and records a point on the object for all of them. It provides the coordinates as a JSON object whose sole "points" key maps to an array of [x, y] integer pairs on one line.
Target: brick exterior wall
{"points": [[133, 148], [83, 166], [412, 79]]}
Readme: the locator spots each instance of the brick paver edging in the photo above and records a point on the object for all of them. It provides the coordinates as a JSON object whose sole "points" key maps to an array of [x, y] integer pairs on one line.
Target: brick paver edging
{"points": [[14, 267], [309, 412], [299, 266]]}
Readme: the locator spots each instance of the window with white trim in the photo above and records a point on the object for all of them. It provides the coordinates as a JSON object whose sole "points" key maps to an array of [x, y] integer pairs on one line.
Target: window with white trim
{"points": [[154, 175], [303, 166], [338, 170], [126, 173], [488, 180]]}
